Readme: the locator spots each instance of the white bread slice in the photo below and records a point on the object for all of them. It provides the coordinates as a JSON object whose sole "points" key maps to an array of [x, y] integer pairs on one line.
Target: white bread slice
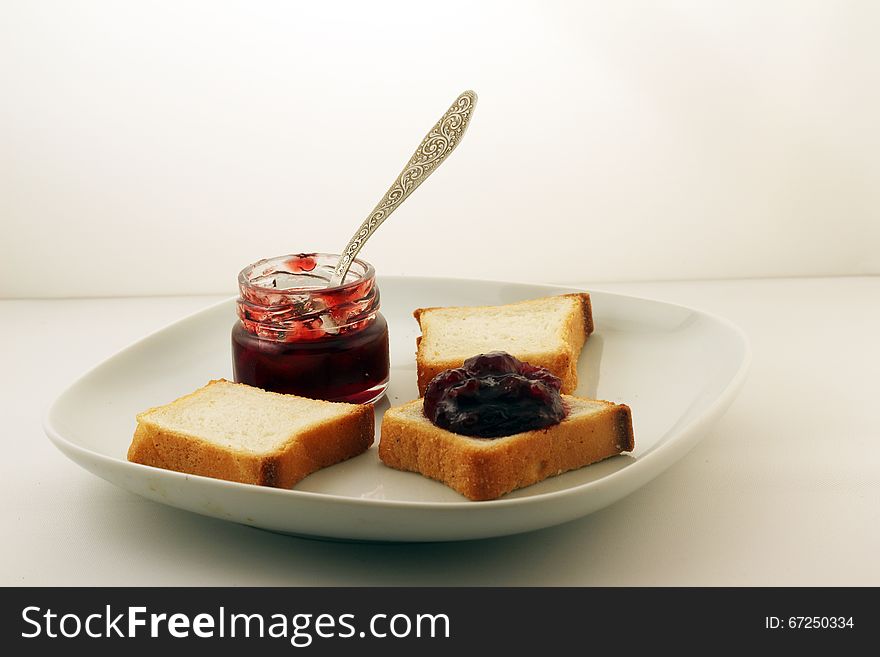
{"points": [[549, 332], [240, 433], [487, 468]]}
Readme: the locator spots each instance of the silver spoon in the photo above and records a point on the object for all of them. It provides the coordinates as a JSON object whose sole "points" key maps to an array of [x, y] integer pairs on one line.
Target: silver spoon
{"points": [[435, 147]]}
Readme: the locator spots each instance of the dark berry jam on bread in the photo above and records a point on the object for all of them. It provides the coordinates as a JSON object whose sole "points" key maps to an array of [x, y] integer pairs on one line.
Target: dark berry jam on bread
{"points": [[494, 395]]}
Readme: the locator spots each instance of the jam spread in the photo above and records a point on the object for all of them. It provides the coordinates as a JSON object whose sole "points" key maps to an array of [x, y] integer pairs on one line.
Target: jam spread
{"points": [[494, 395], [296, 335], [301, 262]]}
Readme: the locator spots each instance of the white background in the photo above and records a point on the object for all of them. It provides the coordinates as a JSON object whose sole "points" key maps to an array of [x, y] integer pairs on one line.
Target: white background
{"points": [[158, 147]]}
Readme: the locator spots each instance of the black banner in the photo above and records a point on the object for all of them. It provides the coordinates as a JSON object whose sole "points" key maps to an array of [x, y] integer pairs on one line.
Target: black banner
{"points": [[433, 621]]}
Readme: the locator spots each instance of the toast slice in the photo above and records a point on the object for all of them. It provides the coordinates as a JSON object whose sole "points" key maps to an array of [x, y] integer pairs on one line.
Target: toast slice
{"points": [[235, 432], [487, 468], [549, 332]]}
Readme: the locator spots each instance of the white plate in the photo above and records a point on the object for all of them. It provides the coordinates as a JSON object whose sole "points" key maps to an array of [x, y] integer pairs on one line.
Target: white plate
{"points": [[677, 368]]}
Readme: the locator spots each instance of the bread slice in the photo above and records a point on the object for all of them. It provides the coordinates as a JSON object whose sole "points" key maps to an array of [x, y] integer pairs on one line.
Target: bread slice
{"points": [[487, 468], [549, 332], [239, 433]]}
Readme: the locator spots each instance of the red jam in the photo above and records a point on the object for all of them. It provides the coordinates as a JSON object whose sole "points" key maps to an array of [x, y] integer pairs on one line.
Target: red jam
{"points": [[296, 335], [493, 395]]}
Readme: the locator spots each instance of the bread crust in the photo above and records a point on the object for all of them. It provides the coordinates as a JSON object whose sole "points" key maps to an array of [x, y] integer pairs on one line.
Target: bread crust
{"points": [[563, 362], [310, 450], [485, 469]]}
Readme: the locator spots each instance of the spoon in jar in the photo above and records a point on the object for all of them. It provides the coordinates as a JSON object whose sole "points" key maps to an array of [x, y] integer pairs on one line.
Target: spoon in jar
{"points": [[434, 149]]}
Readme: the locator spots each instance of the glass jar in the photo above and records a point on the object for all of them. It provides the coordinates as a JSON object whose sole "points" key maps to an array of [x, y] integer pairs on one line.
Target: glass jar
{"points": [[297, 335]]}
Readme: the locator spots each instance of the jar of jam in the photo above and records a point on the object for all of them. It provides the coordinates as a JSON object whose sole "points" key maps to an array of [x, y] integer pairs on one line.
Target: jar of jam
{"points": [[297, 335]]}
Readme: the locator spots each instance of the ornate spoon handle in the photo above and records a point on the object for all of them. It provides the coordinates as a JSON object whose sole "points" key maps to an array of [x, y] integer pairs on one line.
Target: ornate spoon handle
{"points": [[435, 147]]}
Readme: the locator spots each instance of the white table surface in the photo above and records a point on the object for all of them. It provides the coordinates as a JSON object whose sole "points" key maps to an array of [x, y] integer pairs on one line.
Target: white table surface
{"points": [[783, 490]]}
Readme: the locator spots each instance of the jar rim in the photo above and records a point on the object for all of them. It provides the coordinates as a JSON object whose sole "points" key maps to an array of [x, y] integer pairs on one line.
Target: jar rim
{"points": [[245, 275]]}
